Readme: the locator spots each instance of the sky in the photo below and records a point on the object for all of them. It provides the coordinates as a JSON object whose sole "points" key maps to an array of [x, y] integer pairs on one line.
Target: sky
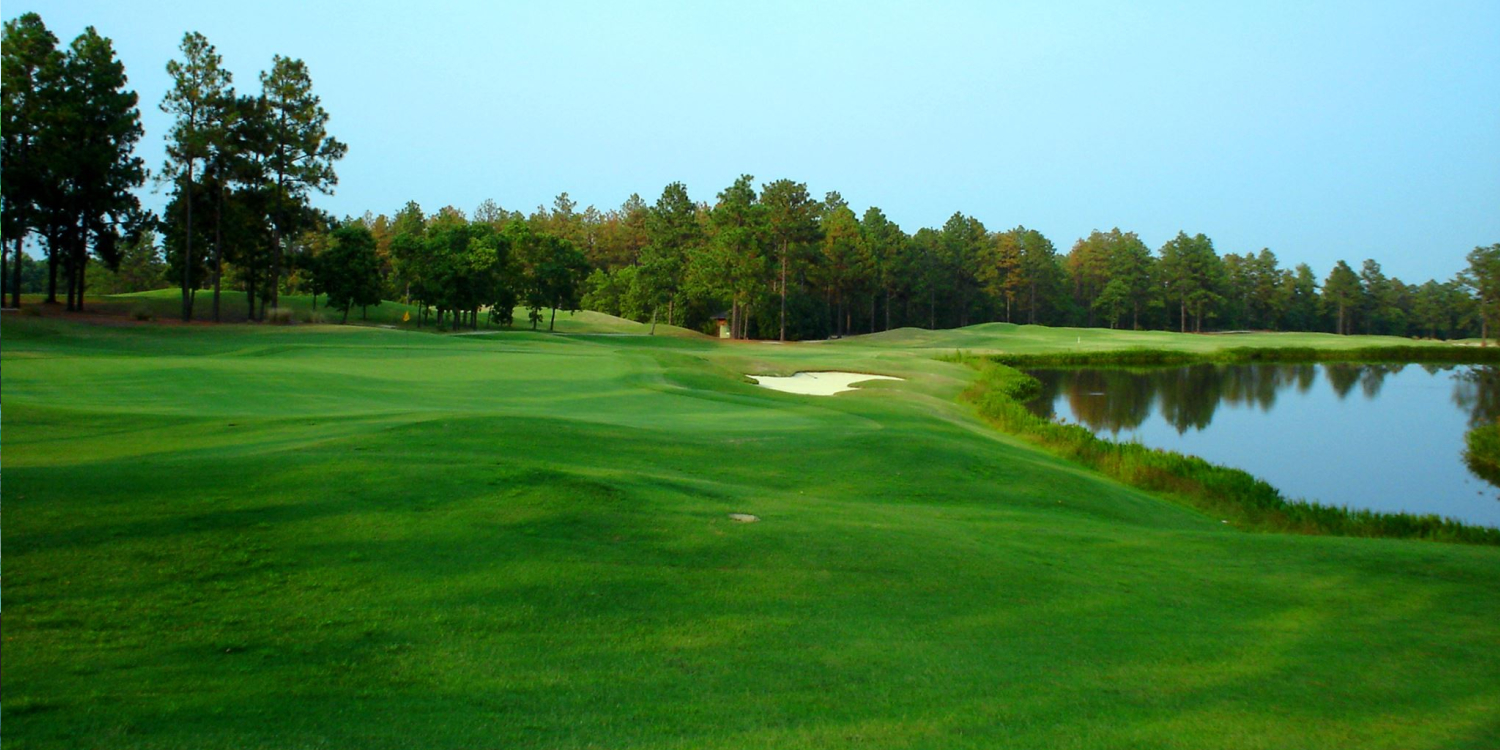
{"points": [[1322, 131]]}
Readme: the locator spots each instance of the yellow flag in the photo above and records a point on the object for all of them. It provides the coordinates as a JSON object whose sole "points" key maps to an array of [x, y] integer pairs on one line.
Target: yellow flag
{"points": [[406, 317]]}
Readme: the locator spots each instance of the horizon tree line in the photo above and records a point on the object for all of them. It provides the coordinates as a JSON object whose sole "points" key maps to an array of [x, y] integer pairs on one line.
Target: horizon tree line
{"points": [[773, 263]]}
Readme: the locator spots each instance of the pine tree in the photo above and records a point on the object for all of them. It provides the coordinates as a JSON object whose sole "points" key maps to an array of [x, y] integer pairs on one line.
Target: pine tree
{"points": [[300, 153], [90, 146], [200, 93], [30, 69], [792, 221]]}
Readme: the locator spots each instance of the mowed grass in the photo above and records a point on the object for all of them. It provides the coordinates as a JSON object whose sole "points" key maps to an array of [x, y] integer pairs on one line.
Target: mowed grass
{"points": [[313, 536], [165, 305], [1009, 338]]}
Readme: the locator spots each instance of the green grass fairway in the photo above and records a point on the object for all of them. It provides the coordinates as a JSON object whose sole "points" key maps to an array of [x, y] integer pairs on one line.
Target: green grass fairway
{"points": [[165, 306], [1009, 338], [350, 537]]}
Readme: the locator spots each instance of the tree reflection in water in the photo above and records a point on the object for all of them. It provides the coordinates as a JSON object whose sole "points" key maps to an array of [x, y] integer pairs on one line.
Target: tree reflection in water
{"points": [[1121, 399], [1476, 390]]}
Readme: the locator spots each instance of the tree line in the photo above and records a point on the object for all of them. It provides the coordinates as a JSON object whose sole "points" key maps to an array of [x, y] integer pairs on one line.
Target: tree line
{"points": [[240, 168], [772, 262], [775, 263]]}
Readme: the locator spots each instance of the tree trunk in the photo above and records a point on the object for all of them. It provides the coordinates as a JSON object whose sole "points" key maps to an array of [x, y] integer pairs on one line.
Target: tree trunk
{"points": [[187, 247], [52, 261], [4, 269], [83, 267], [218, 248], [653, 320], [1182, 314], [783, 289], [68, 272], [250, 290], [552, 324], [346, 314], [831, 315], [275, 267], [277, 219], [887, 308], [14, 290], [838, 320], [15, 293]]}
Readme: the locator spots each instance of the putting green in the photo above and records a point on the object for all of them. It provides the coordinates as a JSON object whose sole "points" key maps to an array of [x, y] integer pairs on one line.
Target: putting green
{"points": [[318, 536]]}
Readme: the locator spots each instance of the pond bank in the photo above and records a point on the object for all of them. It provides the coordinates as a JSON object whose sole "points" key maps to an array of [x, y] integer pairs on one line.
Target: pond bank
{"points": [[1465, 355], [999, 394]]}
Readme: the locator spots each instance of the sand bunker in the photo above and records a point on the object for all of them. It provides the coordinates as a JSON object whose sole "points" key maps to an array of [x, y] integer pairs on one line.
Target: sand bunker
{"points": [[817, 383]]}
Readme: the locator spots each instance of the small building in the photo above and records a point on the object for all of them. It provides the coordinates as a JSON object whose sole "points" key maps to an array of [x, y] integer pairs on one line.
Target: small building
{"points": [[722, 320]]}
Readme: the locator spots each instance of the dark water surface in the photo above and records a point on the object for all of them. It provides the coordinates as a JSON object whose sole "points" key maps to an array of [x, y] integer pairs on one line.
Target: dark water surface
{"points": [[1382, 437]]}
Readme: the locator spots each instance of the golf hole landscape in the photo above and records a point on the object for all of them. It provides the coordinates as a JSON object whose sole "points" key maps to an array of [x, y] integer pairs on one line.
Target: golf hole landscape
{"points": [[1124, 376], [616, 537]]}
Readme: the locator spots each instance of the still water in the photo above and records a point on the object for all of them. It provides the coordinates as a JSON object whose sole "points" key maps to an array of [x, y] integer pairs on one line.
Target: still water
{"points": [[1382, 437]]}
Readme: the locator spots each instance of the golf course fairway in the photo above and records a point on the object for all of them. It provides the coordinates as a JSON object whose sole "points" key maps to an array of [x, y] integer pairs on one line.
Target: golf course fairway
{"points": [[340, 537]]}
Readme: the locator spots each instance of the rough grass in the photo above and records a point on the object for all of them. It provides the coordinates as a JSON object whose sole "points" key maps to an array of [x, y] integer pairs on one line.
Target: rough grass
{"points": [[314, 536]]}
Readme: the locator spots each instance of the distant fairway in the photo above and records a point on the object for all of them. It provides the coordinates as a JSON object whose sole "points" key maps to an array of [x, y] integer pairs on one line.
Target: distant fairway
{"points": [[321, 536], [1024, 339], [165, 305]]}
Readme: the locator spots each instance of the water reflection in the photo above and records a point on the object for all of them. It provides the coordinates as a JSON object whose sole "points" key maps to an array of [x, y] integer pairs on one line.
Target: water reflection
{"points": [[1119, 400], [1476, 390], [1384, 437]]}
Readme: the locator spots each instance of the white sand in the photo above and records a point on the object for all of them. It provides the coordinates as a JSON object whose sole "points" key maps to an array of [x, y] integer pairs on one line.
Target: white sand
{"points": [[817, 383]]}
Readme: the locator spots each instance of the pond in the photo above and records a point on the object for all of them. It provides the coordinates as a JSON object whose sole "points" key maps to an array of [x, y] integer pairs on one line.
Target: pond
{"points": [[1381, 437]]}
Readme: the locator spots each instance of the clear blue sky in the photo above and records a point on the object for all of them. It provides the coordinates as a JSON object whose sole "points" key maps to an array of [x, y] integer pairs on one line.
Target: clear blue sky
{"points": [[1320, 130]]}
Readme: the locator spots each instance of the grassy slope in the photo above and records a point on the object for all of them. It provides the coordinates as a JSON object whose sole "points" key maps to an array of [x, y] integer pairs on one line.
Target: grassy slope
{"points": [[166, 305], [315, 536], [1018, 339]]}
